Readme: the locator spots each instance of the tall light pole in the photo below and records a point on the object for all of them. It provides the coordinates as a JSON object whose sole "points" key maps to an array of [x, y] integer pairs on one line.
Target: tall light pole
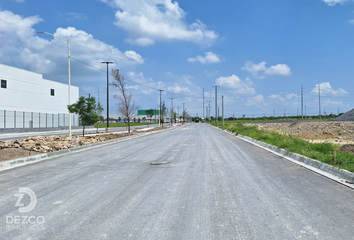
{"points": [[183, 112], [107, 129], [222, 110], [172, 111], [68, 41], [160, 109]]}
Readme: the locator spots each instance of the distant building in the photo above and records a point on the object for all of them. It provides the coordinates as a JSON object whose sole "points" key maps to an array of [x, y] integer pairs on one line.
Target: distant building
{"points": [[155, 118], [29, 101]]}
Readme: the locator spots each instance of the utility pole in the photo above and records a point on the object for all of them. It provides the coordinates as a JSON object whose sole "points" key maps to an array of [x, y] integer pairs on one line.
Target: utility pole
{"points": [[160, 109], [209, 110], [177, 112], [222, 110], [171, 111], [274, 112], [216, 102], [206, 112], [183, 112], [319, 99], [107, 129], [218, 113], [203, 103], [302, 102]]}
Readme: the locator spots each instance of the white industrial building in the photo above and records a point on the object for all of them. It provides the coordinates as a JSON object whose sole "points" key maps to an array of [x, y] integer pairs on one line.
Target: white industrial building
{"points": [[29, 101]]}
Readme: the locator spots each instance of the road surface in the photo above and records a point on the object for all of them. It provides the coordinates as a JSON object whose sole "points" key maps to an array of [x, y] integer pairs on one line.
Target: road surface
{"points": [[203, 184]]}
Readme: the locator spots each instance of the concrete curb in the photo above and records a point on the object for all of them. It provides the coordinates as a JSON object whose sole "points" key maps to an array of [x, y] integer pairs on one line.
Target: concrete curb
{"points": [[37, 158], [339, 175]]}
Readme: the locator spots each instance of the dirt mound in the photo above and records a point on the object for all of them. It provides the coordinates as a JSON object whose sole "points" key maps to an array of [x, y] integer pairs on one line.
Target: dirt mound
{"points": [[348, 116], [347, 148], [335, 132]]}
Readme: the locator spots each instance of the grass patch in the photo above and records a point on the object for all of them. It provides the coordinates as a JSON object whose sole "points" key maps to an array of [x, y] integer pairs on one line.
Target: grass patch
{"points": [[104, 125], [323, 152]]}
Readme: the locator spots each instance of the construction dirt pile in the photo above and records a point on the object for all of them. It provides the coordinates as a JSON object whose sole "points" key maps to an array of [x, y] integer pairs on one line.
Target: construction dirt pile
{"points": [[12, 149], [348, 116], [55, 143], [335, 132]]}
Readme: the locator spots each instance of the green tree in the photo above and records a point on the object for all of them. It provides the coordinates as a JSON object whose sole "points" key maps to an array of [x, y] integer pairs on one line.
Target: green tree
{"points": [[163, 112], [99, 110], [86, 109], [150, 113]]}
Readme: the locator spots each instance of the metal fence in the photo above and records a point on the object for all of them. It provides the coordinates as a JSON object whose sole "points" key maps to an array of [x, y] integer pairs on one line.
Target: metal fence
{"points": [[19, 119]]}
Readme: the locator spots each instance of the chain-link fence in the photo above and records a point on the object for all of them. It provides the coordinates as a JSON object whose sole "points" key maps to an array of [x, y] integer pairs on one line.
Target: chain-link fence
{"points": [[19, 119]]}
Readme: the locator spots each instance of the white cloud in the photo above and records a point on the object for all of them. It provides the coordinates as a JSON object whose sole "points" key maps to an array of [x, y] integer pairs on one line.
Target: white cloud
{"points": [[147, 21], [291, 96], [256, 101], [135, 56], [351, 21], [254, 69], [21, 44], [327, 90], [334, 2], [208, 58], [280, 69], [235, 83]]}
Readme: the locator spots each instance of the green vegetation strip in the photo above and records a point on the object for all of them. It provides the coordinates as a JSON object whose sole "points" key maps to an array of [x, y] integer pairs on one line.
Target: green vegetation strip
{"points": [[323, 152]]}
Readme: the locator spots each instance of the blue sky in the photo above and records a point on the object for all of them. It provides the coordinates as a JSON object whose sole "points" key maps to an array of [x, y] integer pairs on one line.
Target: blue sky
{"points": [[259, 52]]}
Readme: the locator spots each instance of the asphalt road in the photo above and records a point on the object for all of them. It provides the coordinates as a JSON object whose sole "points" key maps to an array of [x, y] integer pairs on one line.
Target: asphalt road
{"points": [[214, 186]]}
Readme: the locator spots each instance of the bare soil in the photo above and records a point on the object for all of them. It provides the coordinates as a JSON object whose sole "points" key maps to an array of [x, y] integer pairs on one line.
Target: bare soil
{"points": [[340, 133], [14, 153]]}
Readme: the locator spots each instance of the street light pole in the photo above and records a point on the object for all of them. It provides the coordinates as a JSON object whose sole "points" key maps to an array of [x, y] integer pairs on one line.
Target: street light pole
{"points": [[107, 129], [160, 109], [68, 41], [172, 111]]}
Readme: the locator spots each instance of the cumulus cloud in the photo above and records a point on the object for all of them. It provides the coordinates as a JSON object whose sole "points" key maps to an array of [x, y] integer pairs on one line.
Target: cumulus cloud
{"points": [[135, 56], [280, 69], [285, 99], [236, 84], [257, 101], [176, 84], [148, 21], [21, 44], [334, 2], [327, 90], [254, 69], [208, 58]]}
